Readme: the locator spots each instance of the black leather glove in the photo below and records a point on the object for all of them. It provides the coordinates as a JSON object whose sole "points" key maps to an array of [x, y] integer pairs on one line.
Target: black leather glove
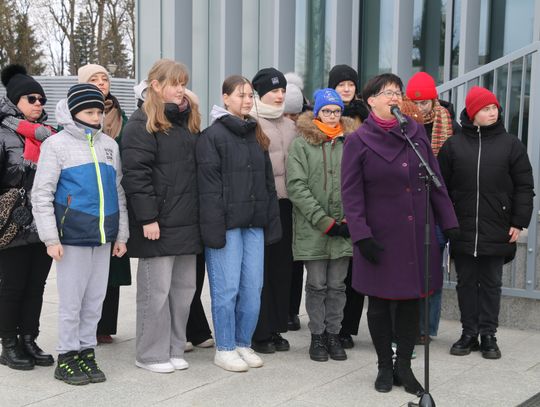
{"points": [[452, 233], [370, 249], [344, 230]]}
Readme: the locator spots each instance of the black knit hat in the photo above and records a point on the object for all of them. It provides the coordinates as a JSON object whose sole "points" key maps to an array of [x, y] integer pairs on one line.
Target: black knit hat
{"points": [[84, 96], [18, 83], [340, 73], [268, 79]]}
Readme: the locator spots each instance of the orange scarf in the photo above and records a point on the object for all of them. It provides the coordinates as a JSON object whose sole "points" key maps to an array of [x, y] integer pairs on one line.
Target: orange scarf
{"points": [[330, 132]]}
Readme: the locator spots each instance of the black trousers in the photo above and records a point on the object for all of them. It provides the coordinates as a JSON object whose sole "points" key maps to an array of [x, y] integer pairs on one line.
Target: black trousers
{"points": [[297, 287], [479, 292], [23, 272], [197, 329], [275, 295], [353, 307], [108, 323], [380, 327]]}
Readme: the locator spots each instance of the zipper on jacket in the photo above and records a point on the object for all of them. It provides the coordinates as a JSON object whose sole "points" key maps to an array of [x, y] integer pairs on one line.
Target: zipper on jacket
{"points": [[477, 190], [64, 216], [100, 189], [324, 166]]}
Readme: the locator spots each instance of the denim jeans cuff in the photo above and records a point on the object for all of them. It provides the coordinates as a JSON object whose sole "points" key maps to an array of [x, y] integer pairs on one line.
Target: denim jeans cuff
{"points": [[225, 348], [243, 345]]}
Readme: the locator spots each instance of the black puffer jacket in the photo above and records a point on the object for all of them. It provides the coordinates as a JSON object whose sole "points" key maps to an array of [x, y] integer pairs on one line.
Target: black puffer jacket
{"points": [[13, 173], [160, 182], [489, 179], [236, 181]]}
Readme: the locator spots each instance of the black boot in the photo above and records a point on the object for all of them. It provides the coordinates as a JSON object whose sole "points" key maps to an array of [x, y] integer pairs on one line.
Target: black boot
{"points": [[30, 347], [335, 349], [465, 345], [280, 343], [317, 349], [403, 375], [12, 355], [385, 379], [489, 347]]}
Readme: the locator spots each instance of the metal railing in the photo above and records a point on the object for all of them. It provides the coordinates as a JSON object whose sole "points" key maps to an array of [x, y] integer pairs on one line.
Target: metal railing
{"points": [[515, 80]]}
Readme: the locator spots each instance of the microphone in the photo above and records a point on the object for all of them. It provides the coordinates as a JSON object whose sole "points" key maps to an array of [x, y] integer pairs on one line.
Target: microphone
{"points": [[394, 109]]}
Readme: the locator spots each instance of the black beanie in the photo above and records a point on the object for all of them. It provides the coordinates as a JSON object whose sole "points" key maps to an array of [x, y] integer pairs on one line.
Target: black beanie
{"points": [[18, 83], [84, 96], [268, 79], [340, 73]]}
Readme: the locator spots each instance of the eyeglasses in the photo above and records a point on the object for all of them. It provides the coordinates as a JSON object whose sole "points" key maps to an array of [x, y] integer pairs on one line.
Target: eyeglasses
{"points": [[33, 99], [328, 112], [389, 93]]}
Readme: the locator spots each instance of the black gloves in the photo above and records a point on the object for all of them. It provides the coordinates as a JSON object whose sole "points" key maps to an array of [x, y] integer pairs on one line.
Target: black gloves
{"points": [[452, 233], [339, 230], [370, 249]]}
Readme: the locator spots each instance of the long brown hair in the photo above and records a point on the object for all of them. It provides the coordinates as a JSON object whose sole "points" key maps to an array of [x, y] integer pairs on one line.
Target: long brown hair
{"points": [[172, 73], [229, 86]]}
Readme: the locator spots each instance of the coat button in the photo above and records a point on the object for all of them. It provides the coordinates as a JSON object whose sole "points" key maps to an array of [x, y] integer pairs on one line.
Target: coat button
{"points": [[249, 165], [404, 164], [252, 196], [407, 189], [410, 217]]}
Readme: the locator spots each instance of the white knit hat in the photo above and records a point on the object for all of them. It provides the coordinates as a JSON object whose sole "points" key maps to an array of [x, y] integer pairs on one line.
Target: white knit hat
{"points": [[294, 100], [85, 72], [295, 79]]}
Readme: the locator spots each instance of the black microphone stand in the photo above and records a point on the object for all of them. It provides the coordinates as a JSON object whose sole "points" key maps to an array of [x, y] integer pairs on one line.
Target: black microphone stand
{"points": [[430, 177]]}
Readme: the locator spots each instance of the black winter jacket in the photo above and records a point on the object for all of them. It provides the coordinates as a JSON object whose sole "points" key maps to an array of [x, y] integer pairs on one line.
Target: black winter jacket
{"points": [[236, 182], [160, 182], [489, 179], [13, 172]]}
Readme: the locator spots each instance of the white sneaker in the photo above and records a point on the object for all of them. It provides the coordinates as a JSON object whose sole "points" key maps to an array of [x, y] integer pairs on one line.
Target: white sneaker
{"points": [[250, 357], [206, 344], [189, 347], [230, 360], [166, 367], [179, 363]]}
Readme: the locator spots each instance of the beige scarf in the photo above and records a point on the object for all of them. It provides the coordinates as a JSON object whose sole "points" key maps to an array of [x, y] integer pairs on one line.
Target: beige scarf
{"points": [[265, 111], [112, 122]]}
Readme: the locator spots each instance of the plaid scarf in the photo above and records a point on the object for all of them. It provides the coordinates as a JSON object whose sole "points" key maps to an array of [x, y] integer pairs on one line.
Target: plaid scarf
{"points": [[442, 126]]}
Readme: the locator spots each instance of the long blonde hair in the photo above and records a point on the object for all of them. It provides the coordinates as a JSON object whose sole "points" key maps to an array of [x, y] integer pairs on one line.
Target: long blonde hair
{"points": [[172, 73]]}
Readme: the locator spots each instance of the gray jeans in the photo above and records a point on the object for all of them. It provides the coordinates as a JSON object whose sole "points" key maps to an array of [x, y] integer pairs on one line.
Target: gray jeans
{"points": [[81, 277], [165, 288], [325, 294]]}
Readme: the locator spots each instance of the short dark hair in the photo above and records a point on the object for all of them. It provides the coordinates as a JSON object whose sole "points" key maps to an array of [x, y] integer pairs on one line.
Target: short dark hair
{"points": [[377, 83]]}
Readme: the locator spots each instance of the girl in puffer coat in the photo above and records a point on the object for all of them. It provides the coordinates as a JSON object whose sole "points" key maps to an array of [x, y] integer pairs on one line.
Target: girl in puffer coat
{"points": [[320, 232], [489, 179], [239, 214], [160, 180]]}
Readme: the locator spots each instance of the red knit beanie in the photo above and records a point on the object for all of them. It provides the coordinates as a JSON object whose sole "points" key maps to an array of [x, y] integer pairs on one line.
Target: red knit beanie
{"points": [[421, 87], [477, 99]]}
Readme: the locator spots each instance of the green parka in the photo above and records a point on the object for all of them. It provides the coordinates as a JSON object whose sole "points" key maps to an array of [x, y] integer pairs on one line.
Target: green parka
{"points": [[314, 187]]}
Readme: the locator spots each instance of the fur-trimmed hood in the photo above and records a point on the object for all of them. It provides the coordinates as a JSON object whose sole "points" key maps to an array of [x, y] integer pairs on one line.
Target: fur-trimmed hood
{"points": [[311, 133]]}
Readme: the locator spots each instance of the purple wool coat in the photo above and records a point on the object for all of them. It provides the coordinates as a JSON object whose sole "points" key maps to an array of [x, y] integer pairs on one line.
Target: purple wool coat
{"points": [[384, 198]]}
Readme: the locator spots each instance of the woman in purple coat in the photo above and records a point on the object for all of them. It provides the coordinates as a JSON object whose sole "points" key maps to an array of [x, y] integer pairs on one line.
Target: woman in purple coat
{"points": [[384, 201]]}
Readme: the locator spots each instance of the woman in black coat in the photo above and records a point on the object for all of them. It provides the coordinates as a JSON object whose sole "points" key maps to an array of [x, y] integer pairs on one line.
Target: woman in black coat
{"points": [[160, 181], [24, 263], [489, 179]]}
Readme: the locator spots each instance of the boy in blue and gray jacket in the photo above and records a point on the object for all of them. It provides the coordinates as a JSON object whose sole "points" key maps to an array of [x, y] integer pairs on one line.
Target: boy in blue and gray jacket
{"points": [[80, 209]]}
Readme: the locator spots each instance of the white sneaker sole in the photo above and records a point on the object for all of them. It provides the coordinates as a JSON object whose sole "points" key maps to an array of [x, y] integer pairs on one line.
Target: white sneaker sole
{"points": [[153, 368], [232, 368]]}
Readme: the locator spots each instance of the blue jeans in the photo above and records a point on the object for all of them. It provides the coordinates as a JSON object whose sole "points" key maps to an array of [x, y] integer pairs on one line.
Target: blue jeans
{"points": [[235, 273], [435, 298]]}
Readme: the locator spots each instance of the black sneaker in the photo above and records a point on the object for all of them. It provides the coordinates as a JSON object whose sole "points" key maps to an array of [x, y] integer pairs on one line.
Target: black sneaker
{"points": [[88, 364], [335, 349], [280, 343], [489, 347], [465, 345], [68, 369], [265, 347]]}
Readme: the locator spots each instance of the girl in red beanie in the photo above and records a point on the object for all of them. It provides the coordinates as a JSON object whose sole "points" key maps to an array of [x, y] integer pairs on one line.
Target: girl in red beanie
{"points": [[489, 178]]}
